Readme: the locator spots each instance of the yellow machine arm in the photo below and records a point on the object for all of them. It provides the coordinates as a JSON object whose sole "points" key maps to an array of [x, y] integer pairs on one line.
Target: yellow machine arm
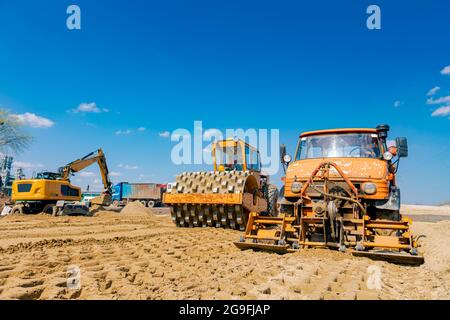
{"points": [[78, 165]]}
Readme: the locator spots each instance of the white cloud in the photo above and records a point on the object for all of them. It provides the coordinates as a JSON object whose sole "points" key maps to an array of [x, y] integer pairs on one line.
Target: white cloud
{"points": [[446, 70], [141, 129], [114, 174], [397, 103], [127, 166], [440, 100], [90, 107], [441, 112], [87, 174], [433, 91], [164, 134], [32, 120], [123, 132], [27, 165]]}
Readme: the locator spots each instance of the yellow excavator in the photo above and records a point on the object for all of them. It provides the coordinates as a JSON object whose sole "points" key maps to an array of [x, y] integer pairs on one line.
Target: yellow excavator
{"points": [[52, 192]]}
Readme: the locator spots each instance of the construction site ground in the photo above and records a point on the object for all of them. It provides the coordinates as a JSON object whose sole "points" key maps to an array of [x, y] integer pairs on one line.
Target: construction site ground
{"points": [[140, 254]]}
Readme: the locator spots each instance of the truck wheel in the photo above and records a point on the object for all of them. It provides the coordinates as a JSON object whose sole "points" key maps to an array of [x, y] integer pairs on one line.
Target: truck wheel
{"points": [[57, 211], [17, 209], [151, 204], [49, 209], [144, 203], [116, 203]]}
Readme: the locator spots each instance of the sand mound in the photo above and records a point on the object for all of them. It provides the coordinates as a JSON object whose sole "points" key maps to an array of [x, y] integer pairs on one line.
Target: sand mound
{"points": [[136, 209]]}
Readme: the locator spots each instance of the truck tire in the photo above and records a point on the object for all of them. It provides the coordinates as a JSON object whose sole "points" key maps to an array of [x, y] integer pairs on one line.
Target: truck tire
{"points": [[49, 209], [57, 211], [116, 203], [272, 198], [144, 203], [150, 203], [17, 209]]}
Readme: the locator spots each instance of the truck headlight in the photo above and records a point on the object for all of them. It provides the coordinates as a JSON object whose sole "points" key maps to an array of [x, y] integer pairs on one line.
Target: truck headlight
{"points": [[369, 188], [387, 156], [287, 158], [296, 187]]}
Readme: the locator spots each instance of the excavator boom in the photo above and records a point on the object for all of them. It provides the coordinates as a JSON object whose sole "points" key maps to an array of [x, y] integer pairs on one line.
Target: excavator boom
{"points": [[80, 164], [75, 166]]}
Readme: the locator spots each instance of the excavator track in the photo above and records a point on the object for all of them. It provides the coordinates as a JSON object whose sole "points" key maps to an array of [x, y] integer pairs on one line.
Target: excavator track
{"points": [[214, 199]]}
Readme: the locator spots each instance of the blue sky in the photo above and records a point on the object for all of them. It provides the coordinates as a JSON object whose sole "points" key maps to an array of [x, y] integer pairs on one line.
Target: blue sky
{"points": [[289, 65]]}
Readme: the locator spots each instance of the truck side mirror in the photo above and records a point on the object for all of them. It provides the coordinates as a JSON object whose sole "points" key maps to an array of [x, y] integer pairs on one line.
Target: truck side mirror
{"points": [[402, 147], [282, 152]]}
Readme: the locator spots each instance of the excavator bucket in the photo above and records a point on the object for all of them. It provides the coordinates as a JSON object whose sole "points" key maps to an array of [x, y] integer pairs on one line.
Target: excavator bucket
{"points": [[102, 200]]}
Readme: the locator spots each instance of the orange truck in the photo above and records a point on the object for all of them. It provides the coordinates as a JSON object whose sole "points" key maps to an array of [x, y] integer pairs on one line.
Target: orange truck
{"points": [[340, 191]]}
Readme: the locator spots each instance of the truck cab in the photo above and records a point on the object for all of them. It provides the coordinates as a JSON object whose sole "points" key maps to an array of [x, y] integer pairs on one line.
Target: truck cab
{"points": [[359, 156]]}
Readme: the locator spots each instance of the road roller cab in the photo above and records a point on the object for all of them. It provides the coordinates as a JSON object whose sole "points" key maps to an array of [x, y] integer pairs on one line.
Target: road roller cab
{"points": [[232, 154]]}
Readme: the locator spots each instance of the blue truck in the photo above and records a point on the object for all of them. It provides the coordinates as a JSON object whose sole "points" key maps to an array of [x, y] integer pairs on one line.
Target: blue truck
{"points": [[149, 194]]}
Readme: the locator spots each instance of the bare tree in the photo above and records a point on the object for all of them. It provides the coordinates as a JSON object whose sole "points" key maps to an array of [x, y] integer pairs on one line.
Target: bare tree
{"points": [[12, 136]]}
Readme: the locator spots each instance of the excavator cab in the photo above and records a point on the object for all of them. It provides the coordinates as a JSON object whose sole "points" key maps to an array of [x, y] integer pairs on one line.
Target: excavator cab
{"points": [[47, 175]]}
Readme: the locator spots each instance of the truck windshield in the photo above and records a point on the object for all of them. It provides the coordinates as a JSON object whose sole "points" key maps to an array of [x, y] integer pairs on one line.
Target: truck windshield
{"points": [[347, 145]]}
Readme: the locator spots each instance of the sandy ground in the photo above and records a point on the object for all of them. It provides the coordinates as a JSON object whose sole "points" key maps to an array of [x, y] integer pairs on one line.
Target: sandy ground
{"points": [[140, 254]]}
